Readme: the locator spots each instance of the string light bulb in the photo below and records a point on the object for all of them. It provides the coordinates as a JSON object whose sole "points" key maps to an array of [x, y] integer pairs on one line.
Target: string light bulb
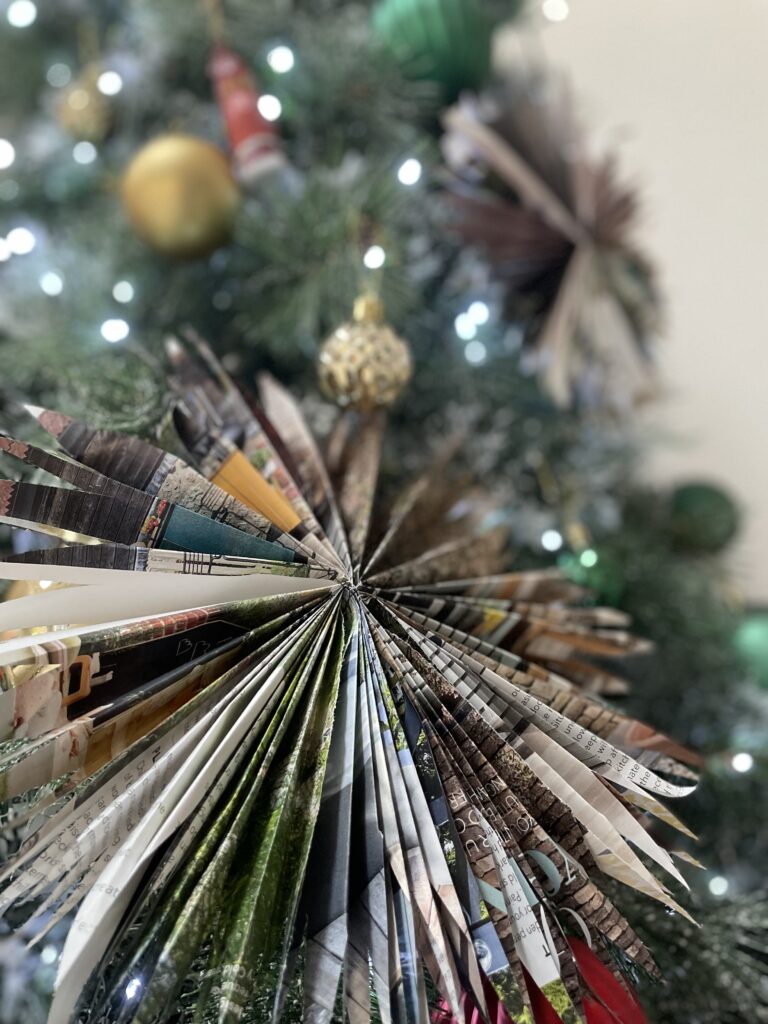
{"points": [[555, 10], [21, 13], [269, 106], [58, 75], [7, 154], [84, 152], [479, 313], [374, 257], [123, 292], [465, 326], [409, 171], [742, 762], [475, 353], [52, 283], [20, 241], [49, 954], [588, 558], [551, 540], [114, 330], [109, 83], [281, 59], [718, 885], [133, 988]]}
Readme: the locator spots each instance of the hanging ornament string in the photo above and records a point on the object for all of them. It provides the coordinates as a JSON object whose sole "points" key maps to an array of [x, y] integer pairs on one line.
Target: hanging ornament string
{"points": [[83, 110], [566, 498], [363, 364], [214, 10]]}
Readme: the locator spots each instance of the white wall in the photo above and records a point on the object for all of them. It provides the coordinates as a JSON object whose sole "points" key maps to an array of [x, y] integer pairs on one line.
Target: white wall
{"points": [[683, 84]]}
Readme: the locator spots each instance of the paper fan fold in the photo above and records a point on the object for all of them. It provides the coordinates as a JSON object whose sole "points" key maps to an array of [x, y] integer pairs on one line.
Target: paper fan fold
{"points": [[280, 763]]}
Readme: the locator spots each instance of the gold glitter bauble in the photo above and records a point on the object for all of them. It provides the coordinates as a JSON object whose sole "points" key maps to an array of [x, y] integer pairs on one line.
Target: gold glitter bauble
{"points": [[180, 196], [83, 111], [364, 365]]}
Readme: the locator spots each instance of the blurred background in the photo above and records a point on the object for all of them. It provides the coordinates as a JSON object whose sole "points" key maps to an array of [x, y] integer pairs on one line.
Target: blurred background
{"points": [[560, 207], [679, 88]]}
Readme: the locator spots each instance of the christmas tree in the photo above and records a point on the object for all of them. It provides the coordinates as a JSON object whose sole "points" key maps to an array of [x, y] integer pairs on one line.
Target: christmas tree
{"points": [[292, 181]]}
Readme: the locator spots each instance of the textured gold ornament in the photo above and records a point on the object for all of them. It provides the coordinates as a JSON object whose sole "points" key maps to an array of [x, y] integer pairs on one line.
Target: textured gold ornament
{"points": [[364, 365], [180, 196], [83, 111]]}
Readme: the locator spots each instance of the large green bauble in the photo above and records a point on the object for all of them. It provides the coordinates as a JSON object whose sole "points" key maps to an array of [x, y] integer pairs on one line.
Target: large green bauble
{"points": [[703, 518], [751, 641], [444, 41]]}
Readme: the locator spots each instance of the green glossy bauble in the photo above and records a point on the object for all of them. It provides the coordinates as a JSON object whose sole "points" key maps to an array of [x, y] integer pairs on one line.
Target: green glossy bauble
{"points": [[703, 518], [443, 41]]}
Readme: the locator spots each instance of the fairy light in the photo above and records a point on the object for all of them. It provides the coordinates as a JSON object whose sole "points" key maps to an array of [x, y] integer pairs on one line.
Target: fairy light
{"points": [[123, 292], [409, 171], [588, 558], [374, 257], [7, 154], [475, 352], [281, 59], [479, 313], [5, 251], [84, 152], [465, 326], [78, 99], [742, 762], [555, 10], [115, 330], [109, 83], [52, 283], [270, 107], [45, 584], [58, 75], [20, 241], [551, 540], [49, 955], [133, 988], [21, 13], [718, 885]]}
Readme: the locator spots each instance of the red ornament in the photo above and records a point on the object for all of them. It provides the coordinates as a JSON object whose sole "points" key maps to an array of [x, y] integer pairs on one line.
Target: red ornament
{"points": [[255, 145]]}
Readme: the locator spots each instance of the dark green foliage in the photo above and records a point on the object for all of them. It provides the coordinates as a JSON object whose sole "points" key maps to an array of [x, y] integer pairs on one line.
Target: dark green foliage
{"points": [[695, 686], [716, 973]]}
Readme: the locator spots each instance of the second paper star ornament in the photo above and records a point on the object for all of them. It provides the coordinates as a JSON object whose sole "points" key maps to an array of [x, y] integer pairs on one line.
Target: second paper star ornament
{"points": [[282, 765]]}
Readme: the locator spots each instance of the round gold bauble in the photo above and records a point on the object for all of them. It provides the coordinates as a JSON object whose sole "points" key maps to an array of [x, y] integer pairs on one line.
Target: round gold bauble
{"points": [[180, 195], [83, 111], [364, 365]]}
